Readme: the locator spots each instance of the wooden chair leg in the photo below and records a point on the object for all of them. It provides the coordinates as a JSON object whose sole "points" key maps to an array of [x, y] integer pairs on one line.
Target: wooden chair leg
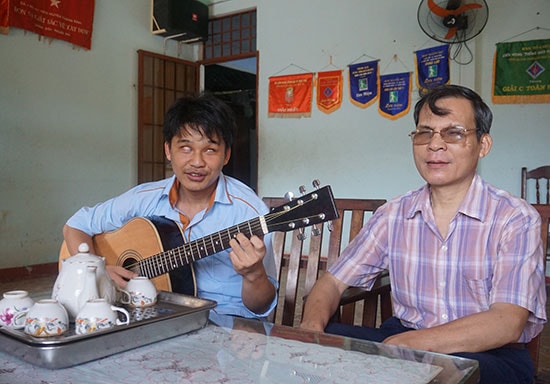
{"points": [[347, 313], [386, 310], [370, 311]]}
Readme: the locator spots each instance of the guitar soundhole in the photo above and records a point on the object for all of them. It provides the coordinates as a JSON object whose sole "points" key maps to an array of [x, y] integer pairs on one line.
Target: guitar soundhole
{"points": [[131, 264]]}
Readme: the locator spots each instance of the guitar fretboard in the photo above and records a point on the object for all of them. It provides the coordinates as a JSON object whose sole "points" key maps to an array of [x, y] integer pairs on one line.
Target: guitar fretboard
{"points": [[185, 254]]}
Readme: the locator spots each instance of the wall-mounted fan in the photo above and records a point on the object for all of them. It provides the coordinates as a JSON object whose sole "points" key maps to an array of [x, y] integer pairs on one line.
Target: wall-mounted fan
{"points": [[452, 21]]}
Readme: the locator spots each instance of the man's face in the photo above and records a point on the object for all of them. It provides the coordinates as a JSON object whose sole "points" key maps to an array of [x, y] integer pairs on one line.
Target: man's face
{"points": [[197, 160], [444, 164]]}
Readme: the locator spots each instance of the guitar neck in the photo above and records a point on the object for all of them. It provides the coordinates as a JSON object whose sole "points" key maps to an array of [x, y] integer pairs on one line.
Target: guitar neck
{"points": [[187, 253]]}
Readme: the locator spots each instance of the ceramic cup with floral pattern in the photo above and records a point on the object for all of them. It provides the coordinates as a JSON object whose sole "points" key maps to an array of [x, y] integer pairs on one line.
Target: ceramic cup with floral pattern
{"points": [[139, 292], [46, 318], [14, 307], [97, 315]]}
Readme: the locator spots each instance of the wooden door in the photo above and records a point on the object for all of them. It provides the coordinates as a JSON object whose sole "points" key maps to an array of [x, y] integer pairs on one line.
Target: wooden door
{"points": [[161, 80]]}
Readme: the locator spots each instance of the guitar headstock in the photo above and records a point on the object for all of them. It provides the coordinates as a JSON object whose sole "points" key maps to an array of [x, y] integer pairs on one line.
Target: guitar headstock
{"points": [[313, 208]]}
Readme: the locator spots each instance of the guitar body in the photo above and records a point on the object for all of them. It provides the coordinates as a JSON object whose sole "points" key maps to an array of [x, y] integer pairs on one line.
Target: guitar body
{"points": [[137, 240]]}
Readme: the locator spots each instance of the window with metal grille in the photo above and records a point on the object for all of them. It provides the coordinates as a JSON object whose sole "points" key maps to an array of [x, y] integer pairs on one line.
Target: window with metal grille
{"points": [[231, 35]]}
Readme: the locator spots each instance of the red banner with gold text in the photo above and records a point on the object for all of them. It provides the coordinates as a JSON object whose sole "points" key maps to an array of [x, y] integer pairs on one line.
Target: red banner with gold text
{"points": [[69, 20], [4, 11], [290, 95]]}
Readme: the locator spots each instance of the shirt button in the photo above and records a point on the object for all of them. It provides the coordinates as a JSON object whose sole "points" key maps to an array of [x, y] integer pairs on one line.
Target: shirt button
{"points": [[442, 284], [444, 316], [443, 247]]}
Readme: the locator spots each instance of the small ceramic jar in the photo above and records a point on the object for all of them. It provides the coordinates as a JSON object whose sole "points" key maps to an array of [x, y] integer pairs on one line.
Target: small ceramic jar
{"points": [[139, 292], [98, 315], [14, 307], [46, 318]]}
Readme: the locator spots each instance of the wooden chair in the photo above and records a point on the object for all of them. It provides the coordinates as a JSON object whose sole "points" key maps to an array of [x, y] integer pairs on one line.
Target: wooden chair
{"points": [[538, 174], [306, 251], [534, 345]]}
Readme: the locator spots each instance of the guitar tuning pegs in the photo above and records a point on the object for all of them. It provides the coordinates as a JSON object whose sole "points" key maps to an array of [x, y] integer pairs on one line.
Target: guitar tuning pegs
{"points": [[289, 196], [301, 233], [315, 231]]}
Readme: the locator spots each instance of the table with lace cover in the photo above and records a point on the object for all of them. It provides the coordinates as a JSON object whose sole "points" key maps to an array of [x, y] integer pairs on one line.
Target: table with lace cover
{"points": [[244, 351]]}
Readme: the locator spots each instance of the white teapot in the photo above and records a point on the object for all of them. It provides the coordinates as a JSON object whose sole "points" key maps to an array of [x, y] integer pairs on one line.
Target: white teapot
{"points": [[82, 277]]}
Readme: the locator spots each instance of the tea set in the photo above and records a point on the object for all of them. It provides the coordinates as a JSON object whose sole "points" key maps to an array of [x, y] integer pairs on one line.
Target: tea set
{"points": [[83, 293]]}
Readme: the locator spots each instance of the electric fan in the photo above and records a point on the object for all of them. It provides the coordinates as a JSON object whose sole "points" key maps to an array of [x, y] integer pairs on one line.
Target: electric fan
{"points": [[452, 21]]}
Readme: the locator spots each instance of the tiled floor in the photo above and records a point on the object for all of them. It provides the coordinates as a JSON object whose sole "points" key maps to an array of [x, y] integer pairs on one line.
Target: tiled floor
{"points": [[45, 283]]}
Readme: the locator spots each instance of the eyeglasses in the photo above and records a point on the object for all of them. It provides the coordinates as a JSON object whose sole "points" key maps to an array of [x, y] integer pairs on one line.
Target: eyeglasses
{"points": [[450, 135]]}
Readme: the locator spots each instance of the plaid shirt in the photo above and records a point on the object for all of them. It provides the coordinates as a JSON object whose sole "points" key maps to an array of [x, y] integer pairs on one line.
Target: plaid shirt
{"points": [[492, 253]]}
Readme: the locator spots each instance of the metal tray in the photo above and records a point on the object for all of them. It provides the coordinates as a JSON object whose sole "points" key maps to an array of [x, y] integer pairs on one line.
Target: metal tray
{"points": [[173, 315]]}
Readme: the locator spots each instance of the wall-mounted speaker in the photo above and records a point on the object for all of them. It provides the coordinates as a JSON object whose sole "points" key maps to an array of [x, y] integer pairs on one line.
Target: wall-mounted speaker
{"points": [[182, 20]]}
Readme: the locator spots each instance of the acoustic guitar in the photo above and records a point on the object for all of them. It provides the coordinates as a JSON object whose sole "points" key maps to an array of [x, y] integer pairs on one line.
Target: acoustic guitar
{"points": [[155, 246]]}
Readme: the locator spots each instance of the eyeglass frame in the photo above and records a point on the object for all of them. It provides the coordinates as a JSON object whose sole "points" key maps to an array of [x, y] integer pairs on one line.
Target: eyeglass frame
{"points": [[433, 132]]}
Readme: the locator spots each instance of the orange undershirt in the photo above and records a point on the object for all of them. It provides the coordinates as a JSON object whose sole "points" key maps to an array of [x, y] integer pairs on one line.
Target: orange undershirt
{"points": [[173, 199]]}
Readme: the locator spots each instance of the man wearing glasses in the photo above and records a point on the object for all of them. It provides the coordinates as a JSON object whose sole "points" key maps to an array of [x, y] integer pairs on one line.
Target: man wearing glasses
{"points": [[465, 258]]}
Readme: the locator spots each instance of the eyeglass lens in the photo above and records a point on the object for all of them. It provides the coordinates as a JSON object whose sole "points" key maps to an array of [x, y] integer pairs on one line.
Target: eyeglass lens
{"points": [[448, 135]]}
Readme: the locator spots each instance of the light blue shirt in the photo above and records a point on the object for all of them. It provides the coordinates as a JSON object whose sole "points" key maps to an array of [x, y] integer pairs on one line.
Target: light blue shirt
{"points": [[234, 203]]}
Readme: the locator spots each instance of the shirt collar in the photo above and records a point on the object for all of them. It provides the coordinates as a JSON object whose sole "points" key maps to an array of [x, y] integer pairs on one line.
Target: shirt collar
{"points": [[473, 204], [221, 193]]}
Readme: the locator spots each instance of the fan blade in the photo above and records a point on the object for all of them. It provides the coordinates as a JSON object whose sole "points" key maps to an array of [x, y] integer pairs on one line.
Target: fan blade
{"points": [[453, 4], [443, 12], [450, 33], [439, 11], [467, 7]]}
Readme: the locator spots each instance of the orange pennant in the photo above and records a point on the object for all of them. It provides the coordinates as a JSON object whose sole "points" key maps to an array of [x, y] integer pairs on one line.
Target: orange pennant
{"points": [[329, 91]]}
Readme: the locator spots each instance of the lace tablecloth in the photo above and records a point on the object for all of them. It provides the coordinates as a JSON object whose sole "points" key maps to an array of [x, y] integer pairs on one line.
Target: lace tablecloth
{"points": [[221, 355]]}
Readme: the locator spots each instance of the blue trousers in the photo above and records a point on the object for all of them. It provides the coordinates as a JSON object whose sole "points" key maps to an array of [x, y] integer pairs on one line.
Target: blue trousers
{"points": [[498, 366]]}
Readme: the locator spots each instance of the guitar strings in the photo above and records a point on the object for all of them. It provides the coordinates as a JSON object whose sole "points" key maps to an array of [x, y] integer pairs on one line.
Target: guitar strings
{"points": [[175, 256], [162, 262]]}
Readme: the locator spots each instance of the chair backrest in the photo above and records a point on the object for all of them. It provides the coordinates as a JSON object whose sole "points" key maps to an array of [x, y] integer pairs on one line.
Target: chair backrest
{"points": [[544, 212], [534, 345], [540, 175], [307, 251]]}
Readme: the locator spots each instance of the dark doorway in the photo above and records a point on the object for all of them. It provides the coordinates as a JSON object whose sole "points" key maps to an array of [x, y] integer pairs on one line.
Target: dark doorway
{"points": [[235, 83]]}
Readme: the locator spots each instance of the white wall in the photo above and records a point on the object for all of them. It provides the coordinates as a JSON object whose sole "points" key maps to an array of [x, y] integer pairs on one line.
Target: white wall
{"points": [[68, 126], [357, 151], [68, 117]]}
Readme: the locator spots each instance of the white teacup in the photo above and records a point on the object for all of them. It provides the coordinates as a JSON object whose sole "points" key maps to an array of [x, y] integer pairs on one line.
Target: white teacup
{"points": [[97, 315], [139, 292], [14, 307], [46, 318]]}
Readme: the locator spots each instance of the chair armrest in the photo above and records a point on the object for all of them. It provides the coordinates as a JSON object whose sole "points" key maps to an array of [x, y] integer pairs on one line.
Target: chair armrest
{"points": [[353, 294]]}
